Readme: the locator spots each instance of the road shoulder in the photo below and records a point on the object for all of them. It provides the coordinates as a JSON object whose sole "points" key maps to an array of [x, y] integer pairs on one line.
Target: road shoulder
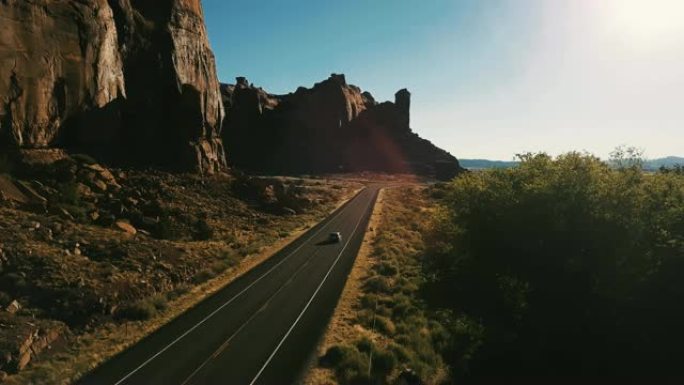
{"points": [[341, 326], [381, 330]]}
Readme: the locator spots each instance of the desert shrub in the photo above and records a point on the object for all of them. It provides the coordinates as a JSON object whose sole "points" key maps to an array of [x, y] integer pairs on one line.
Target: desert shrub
{"points": [[202, 230], [369, 300], [384, 325], [251, 248], [159, 302], [203, 276], [383, 363], [377, 284], [334, 355], [137, 311], [349, 364], [364, 344], [218, 267], [178, 291], [385, 268], [564, 252]]}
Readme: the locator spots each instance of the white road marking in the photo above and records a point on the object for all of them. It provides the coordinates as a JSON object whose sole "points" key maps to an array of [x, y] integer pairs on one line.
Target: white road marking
{"points": [[228, 302], [262, 308], [268, 361]]}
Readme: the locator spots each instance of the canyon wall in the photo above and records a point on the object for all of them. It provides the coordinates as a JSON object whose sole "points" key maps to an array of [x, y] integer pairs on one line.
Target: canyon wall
{"points": [[127, 81], [331, 127]]}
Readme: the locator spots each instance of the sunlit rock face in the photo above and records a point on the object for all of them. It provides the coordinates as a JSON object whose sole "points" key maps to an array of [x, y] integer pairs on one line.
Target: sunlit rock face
{"points": [[127, 81], [331, 127], [58, 59]]}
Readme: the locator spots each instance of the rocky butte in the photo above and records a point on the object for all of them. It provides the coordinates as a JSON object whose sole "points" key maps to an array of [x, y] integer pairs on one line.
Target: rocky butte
{"points": [[133, 83], [130, 82], [332, 127]]}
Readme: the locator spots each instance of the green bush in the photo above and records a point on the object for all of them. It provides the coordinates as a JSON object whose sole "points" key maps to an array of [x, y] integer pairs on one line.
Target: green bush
{"points": [[565, 252]]}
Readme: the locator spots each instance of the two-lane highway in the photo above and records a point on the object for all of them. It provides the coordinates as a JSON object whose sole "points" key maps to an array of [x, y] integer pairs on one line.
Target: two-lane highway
{"points": [[263, 327]]}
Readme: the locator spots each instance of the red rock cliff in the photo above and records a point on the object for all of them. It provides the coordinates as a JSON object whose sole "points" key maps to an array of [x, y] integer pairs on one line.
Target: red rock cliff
{"points": [[130, 81], [331, 127]]}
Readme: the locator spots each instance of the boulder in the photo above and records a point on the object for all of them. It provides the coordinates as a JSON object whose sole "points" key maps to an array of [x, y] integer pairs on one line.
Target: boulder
{"points": [[25, 338], [9, 191], [126, 227], [13, 307], [32, 194]]}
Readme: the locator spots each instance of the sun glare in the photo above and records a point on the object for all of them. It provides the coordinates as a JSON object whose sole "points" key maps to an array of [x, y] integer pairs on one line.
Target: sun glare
{"points": [[652, 22]]}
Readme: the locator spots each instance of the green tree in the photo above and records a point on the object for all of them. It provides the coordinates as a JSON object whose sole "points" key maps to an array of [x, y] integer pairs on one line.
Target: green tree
{"points": [[572, 266]]}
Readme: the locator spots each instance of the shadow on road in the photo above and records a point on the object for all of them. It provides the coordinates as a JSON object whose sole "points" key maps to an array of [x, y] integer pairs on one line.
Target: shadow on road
{"points": [[327, 242]]}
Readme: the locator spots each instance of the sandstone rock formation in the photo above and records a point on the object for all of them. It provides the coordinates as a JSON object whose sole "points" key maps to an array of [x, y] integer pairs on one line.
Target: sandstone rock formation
{"points": [[332, 127], [23, 338], [127, 81]]}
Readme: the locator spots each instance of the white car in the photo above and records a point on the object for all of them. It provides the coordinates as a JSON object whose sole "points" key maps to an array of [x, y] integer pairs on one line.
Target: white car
{"points": [[335, 237]]}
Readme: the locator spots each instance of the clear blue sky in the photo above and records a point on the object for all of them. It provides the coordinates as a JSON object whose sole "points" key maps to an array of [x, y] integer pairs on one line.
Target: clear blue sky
{"points": [[490, 78]]}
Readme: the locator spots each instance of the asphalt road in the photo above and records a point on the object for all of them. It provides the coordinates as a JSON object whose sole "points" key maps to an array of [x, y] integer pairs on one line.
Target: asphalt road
{"points": [[262, 328]]}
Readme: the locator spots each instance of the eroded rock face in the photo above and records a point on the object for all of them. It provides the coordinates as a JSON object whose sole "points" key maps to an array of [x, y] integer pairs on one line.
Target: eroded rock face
{"points": [[332, 127], [58, 59], [127, 81]]}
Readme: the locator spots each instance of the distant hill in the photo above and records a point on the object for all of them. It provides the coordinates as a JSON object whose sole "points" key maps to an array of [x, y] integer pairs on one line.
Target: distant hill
{"points": [[480, 164], [655, 164], [483, 164]]}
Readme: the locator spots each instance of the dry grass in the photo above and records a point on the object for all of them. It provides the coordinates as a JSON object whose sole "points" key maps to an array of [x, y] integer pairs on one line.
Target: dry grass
{"points": [[385, 280], [341, 326]]}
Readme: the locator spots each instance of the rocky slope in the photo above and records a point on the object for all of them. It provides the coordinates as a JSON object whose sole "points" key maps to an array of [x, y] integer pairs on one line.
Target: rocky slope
{"points": [[88, 251], [331, 127], [132, 82]]}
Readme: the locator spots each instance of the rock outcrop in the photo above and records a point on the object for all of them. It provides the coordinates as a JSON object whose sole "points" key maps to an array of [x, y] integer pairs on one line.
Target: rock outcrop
{"points": [[23, 338], [332, 127], [126, 81]]}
